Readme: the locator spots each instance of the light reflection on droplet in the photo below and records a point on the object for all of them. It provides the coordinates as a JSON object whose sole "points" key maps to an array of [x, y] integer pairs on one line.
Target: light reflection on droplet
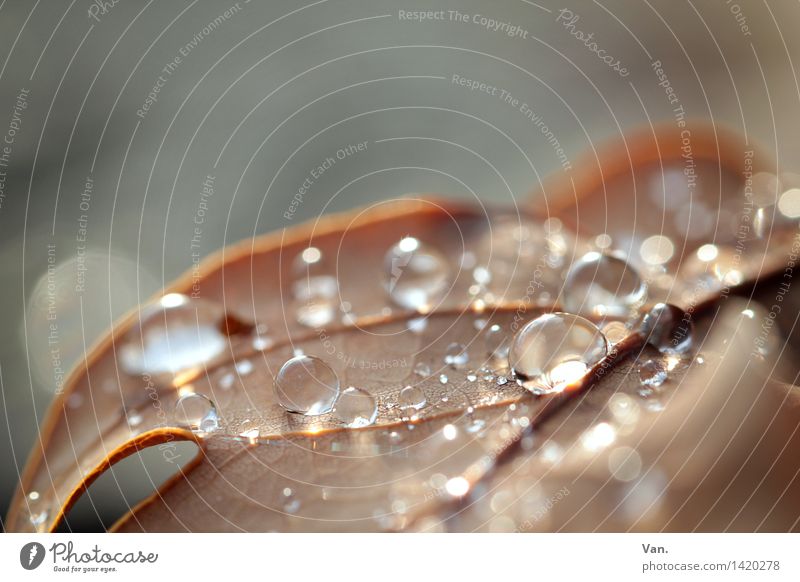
{"points": [[306, 385], [598, 437], [603, 285], [457, 486], [416, 275], [556, 350]]}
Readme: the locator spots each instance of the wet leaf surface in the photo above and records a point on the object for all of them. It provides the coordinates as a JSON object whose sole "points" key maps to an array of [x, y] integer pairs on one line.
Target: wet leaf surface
{"points": [[415, 302]]}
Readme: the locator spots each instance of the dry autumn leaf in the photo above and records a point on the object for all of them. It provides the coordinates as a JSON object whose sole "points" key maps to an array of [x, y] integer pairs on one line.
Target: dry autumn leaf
{"points": [[421, 395]]}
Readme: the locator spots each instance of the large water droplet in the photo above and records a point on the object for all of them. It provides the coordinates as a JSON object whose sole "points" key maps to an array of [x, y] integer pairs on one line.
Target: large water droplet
{"points": [[412, 397], [306, 385], [316, 300], [196, 412], [556, 350], [356, 408], [416, 275], [712, 267], [604, 286], [668, 328], [175, 334]]}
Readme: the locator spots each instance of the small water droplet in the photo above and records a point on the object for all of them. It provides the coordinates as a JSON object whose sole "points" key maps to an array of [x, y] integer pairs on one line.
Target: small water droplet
{"points": [[33, 496], [456, 356], [422, 369], [412, 397], [625, 463], [652, 374], [556, 350], [134, 419], [196, 412], [416, 275], [173, 335], [668, 328], [262, 343], [356, 408], [598, 437], [449, 432], [306, 385], [502, 380], [476, 425], [472, 377], [603, 285], [244, 367], [457, 486], [38, 519], [443, 379], [418, 324]]}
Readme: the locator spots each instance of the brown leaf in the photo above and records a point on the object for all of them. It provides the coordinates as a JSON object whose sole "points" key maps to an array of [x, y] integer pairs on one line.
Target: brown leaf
{"points": [[264, 469]]}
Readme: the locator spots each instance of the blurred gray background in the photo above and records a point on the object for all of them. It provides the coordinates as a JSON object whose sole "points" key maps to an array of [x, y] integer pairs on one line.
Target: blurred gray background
{"points": [[256, 95]]}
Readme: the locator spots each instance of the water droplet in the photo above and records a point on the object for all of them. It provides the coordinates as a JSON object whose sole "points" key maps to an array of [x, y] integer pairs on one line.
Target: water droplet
{"points": [[457, 486], [422, 369], [316, 300], [456, 356], [604, 286], [134, 419], [262, 343], [556, 350], [668, 328], [173, 335], [306, 385], [196, 412], [713, 267], [449, 432], [356, 408], [598, 437], [416, 275], [412, 397], [443, 379], [476, 425], [624, 463], [497, 342], [652, 374], [502, 380], [418, 324], [33, 496], [656, 250], [38, 519], [244, 367]]}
